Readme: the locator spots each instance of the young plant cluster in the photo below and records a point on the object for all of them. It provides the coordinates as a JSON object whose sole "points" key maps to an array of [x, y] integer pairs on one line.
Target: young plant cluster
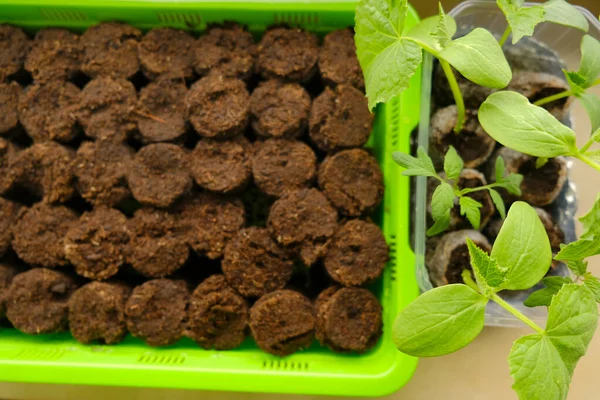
{"points": [[449, 317]]}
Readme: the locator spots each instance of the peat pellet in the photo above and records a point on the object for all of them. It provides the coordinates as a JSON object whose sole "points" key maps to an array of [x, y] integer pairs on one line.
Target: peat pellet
{"points": [[158, 175], [9, 107], [357, 253], [217, 316], [337, 60], [106, 106], [281, 165], [472, 143], [9, 212], [46, 171], [451, 256], [161, 112], [279, 109], [97, 242], [473, 94], [39, 235], [222, 166], [227, 50], [110, 49], [282, 322], [166, 52], [348, 319], [8, 153], [100, 171], [37, 301], [14, 46], [254, 264], [352, 181], [48, 111], [97, 313], [303, 220], [210, 221], [288, 53], [156, 311], [340, 119], [540, 186], [218, 107], [536, 86], [158, 246], [7, 273], [55, 54]]}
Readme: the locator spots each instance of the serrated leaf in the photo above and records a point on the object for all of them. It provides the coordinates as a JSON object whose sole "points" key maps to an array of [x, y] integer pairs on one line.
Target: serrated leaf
{"points": [[580, 249], [522, 20], [593, 283], [498, 202], [440, 321], [591, 220], [424, 32], [388, 61], [442, 33], [576, 81], [500, 168], [543, 297], [579, 268], [591, 103], [470, 208], [479, 58], [540, 162], [415, 166], [589, 68], [453, 164], [523, 247], [488, 272], [562, 13], [512, 183], [442, 201], [510, 119]]}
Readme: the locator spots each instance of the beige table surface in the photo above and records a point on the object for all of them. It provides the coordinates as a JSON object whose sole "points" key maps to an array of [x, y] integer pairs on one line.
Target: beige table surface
{"points": [[480, 371]]}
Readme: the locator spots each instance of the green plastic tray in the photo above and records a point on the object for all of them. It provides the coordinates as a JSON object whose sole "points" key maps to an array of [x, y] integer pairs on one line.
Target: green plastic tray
{"points": [[60, 359]]}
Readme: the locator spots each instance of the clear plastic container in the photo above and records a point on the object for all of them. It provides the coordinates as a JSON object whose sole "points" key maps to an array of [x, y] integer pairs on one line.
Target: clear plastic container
{"points": [[565, 42]]}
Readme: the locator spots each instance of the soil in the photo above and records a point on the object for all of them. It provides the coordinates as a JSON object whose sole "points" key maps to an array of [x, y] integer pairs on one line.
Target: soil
{"points": [[303, 220], [167, 52], [159, 176], [110, 49], [7, 273], [9, 212], [218, 107], [55, 54], [37, 301], [210, 222], [100, 171], [106, 106], [14, 46], [9, 106], [161, 112], [337, 60], [451, 256], [352, 181], [158, 247], [97, 313], [222, 166], [282, 322], [156, 311], [39, 235], [357, 254], [8, 153], [48, 111], [97, 242], [46, 171], [217, 315], [279, 110], [227, 50], [340, 119], [254, 264], [282, 165], [288, 54], [536, 86], [348, 319], [473, 144]]}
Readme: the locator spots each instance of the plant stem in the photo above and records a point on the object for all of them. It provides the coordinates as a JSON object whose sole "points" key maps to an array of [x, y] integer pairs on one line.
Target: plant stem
{"points": [[505, 36], [554, 97], [460, 103], [589, 161], [497, 299], [466, 277], [587, 145], [477, 189]]}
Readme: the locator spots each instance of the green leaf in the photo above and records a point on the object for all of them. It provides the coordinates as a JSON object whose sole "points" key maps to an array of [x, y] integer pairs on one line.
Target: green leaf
{"points": [[543, 297], [512, 183], [415, 166], [580, 250], [442, 201], [596, 136], [522, 20], [579, 268], [576, 81], [479, 58], [589, 68], [540, 162], [500, 168], [562, 13], [440, 321], [498, 202], [443, 28], [388, 61], [439, 226], [510, 119], [593, 283], [591, 220], [523, 247], [470, 208], [591, 102], [487, 271], [425, 32], [453, 164]]}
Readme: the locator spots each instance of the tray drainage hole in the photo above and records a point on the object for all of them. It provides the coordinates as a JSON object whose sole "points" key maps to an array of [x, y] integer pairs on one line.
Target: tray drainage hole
{"points": [[296, 19], [285, 365], [163, 360], [54, 14]]}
